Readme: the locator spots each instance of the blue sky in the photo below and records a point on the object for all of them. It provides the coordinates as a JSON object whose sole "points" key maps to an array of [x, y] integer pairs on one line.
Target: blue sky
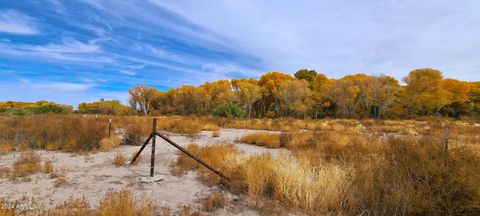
{"points": [[74, 51]]}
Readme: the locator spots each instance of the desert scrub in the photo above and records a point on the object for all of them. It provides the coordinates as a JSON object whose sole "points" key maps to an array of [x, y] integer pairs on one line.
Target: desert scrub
{"points": [[72, 133], [288, 180], [123, 202], [109, 143], [47, 167], [213, 200], [269, 140], [119, 159], [28, 163]]}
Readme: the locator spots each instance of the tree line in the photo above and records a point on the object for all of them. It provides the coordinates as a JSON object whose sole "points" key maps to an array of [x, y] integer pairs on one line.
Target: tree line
{"points": [[309, 94]]}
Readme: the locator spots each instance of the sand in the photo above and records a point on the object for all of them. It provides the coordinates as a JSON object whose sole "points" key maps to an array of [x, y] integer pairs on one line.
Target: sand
{"points": [[92, 175]]}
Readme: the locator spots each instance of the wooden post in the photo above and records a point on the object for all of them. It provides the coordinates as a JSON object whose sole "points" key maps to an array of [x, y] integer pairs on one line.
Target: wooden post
{"points": [[154, 135], [109, 127]]}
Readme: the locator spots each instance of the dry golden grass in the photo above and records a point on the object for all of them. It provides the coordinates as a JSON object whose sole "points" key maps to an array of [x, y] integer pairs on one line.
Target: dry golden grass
{"points": [[269, 140], [119, 159], [71, 207], [73, 133], [28, 163], [213, 200], [310, 188], [6, 146], [117, 203], [187, 211], [354, 172], [47, 167], [107, 144], [210, 127], [114, 203], [288, 180], [186, 127], [123, 202]]}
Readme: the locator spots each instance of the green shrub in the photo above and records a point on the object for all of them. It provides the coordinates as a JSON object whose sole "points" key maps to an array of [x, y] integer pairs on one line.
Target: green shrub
{"points": [[228, 110]]}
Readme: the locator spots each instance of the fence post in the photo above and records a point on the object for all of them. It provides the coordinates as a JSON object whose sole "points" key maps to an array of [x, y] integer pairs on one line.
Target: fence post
{"points": [[154, 134], [109, 127]]}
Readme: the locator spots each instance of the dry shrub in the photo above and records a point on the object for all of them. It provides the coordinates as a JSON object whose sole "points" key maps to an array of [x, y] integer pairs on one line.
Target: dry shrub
{"points": [[213, 200], [310, 188], [136, 133], [146, 206], [187, 211], [119, 159], [117, 203], [289, 180], [165, 211], [297, 140], [213, 155], [47, 167], [59, 181], [71, 207], [216, 134], [185, 126], [27, 164], [210, 127], [6, 146], [109, 143], [123, 202], [73, 133], [269, 140], [415, 178]]}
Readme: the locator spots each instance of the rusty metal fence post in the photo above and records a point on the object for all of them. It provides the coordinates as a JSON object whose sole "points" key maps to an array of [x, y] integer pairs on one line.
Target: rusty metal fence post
{"points": [[154, 135]]}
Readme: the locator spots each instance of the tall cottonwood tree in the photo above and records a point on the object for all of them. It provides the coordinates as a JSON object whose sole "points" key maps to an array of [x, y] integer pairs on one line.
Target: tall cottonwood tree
{"points": [[270, 82], [295, 95], [425, 94], [248, 92], [142, 98]]}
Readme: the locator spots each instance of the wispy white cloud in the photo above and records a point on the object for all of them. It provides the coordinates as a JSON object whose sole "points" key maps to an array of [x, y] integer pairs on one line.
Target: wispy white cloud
{"points": [[68, 45], [69, 50], [14, 22], [55, 87]]}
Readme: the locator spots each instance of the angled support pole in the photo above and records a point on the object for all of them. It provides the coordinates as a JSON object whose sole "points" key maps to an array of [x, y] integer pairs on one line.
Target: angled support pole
{"points": [[191, 155], [141, 149]]}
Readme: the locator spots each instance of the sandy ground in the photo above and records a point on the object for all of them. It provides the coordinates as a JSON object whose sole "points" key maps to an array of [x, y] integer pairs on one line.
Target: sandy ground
{"points": [[94, 174]]}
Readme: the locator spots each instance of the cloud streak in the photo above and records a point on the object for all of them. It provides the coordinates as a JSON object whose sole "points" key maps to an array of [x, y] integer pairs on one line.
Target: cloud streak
{"points": [[14, 22]]}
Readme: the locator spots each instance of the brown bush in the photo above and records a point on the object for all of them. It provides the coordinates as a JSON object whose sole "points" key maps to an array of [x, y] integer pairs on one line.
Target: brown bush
{"points": [[47, 167], [71, 207], [59, 181], [27, 164], [109, 143], [213, 200], [123, 203], [73, 133], [119, 159], [269, 140]]}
